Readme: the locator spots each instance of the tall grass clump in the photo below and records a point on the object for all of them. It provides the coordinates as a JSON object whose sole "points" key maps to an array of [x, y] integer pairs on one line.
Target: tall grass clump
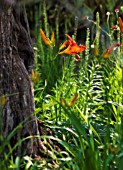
{"points": [[84, 106]]}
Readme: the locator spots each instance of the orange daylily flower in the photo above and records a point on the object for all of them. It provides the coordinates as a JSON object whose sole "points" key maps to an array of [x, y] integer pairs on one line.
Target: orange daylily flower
{"points": [[120, 22], [109, 51], [73, 47], [46, 40]]}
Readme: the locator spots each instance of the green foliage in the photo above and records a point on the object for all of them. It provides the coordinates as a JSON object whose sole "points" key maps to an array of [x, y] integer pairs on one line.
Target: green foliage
{"points": [[90, 129], [80, 101]]}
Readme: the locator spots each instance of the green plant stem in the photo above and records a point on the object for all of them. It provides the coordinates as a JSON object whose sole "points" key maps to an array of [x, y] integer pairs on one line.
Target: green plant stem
{"points": [[122, 86]]}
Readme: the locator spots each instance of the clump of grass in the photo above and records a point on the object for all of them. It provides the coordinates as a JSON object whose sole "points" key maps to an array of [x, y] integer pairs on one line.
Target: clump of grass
{"points": [[95, 118]]}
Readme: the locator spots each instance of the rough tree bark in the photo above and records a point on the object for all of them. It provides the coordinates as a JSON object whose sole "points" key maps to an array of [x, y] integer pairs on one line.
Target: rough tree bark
{"points": [[16, 63]]}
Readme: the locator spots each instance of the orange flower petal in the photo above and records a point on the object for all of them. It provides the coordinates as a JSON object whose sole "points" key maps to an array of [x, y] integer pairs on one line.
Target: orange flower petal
{"points": [[78, 57], [72, 48], [66, 51], [109, 51], [64, 45], [106, 54], [70, 39], [77, 48], [120, 22], [45, 39]]}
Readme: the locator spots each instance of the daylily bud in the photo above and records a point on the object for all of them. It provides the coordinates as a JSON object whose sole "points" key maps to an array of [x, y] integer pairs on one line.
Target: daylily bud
{"points": [[120, 22], [73, 100], [46, 40]]}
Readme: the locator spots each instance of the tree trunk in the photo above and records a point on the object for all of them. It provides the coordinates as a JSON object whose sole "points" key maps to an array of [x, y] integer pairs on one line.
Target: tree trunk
{"points": [[16, 63]]}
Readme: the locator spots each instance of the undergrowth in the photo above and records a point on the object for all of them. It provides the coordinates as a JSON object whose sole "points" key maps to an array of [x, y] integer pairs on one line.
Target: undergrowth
{"points": [[80, 101]]}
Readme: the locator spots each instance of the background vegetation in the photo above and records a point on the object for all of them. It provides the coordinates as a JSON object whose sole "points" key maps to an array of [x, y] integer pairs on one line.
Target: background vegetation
{"points": [[79, 103]]}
